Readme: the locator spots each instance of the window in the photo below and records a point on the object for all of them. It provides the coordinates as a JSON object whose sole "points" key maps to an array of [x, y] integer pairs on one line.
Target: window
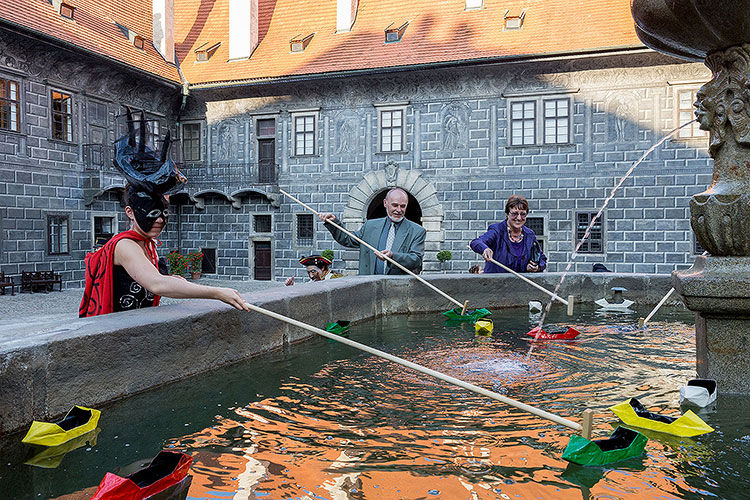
{"points": [[267, 127], [262, 223], [138, 42], [58, 230], [9, 117], [67, 10], [62, 116], [522, 123], [391, 130], [209, 260], [536, 224], [191, 141], [394, 32], [153, 127], [473, 4], [205, 51], [595, 241], [556, 121], [304, 135], [685, 113], [104, 228], [299, 43], [305, 230]]}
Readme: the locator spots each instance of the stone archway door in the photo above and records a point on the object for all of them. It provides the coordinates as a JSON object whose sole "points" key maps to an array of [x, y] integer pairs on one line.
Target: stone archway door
{"points": [[409, 180]]}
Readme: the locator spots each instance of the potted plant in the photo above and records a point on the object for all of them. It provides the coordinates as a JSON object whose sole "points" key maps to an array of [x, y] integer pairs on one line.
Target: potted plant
{"points": [[328, 254], [444, 256], [177, 263], [195, 262]]}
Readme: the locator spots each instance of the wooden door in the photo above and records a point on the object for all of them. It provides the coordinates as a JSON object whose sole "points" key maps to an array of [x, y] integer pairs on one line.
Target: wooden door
{"points": [[262, 259]]}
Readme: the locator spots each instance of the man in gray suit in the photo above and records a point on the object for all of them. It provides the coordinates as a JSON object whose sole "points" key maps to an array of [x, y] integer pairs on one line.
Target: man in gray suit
{"points": [[394, 236]]}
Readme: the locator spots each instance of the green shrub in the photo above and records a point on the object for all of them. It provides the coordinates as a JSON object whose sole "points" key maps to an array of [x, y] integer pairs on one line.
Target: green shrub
{"points": [[177, 263], [444, 255], [195, 261], [328, 254]]}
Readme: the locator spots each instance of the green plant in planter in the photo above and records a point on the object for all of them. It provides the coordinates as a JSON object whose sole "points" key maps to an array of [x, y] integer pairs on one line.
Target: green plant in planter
{"points": [[195, 261], [177, 263], [444, 256], [328, 254]]}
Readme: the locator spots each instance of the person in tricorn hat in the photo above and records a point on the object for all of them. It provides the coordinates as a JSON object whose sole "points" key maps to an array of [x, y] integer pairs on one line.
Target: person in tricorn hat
{"points": [[123, 274], [318, 269]]}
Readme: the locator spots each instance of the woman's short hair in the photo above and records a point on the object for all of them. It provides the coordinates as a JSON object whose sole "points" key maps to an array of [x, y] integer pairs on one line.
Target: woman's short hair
{"points": [[516, 201], [474, 269]]}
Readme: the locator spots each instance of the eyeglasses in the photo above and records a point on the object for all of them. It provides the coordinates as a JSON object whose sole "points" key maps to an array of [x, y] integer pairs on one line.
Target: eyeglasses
{"points": [[518, 215]]}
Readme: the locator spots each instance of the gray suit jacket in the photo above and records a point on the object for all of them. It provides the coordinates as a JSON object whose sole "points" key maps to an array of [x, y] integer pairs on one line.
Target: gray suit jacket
{"points": [[408, 247]]}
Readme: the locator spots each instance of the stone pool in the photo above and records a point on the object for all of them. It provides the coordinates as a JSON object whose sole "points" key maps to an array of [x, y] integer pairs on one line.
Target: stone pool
{"points": [[320, 420]]}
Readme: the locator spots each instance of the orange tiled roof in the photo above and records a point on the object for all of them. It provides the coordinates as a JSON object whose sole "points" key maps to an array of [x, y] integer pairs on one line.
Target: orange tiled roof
{"points": [[440, 31], [94, 30]]}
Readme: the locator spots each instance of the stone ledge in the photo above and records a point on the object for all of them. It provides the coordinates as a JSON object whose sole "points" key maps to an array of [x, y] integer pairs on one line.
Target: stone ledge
{"points": [[96, 360]]}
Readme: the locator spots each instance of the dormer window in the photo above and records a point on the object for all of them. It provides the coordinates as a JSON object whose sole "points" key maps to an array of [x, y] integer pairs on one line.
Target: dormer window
{"points": [[138, 42], [394, 32], [474, 4], [514, 22], [299, 43], [67, 10], [205, 51]]}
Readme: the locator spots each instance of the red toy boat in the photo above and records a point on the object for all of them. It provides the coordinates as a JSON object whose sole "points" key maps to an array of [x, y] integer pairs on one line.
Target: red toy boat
{"points": [[165, 477], [554, 333]]}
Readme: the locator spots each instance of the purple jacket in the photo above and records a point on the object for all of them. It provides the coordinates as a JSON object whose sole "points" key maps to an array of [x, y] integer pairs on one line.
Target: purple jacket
{"points": [[497, 239]]}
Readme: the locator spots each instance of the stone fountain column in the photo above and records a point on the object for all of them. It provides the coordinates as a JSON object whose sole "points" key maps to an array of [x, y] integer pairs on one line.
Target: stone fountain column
{"points": [[717, 287]]}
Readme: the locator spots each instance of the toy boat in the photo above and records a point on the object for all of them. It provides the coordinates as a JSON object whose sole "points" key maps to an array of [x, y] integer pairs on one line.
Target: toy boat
{"points": [[165, 478], [698, 392], [554, 333], [51, 456], [455, 314], [618, 304], [535, 306], [622, 444], [633, 413], [483, 326], [79, 420], [338, 327]]}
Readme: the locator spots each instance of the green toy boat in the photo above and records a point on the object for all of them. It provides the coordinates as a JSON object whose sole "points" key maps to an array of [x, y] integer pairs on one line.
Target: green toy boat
{"points": [[622, 444], [455, 314], [338, 327]]}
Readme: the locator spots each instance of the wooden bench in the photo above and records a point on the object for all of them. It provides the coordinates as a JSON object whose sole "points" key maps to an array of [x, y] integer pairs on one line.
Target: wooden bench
{"points": [[32, 281], [5, 283]]}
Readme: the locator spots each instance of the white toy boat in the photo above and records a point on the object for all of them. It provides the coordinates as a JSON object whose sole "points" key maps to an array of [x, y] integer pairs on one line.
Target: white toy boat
{"points": [[618, 304], [535, 306], [698, 392]]}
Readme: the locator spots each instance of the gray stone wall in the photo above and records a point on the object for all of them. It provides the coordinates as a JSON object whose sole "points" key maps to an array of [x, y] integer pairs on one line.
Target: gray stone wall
{"points": [[42, 177]]}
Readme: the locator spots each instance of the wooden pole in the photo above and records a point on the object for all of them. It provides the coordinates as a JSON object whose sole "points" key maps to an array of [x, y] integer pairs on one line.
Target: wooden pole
{"points": [[642, 322], [571, 300], [588, 420], [377, 252], [427, 371], [527, 280]]}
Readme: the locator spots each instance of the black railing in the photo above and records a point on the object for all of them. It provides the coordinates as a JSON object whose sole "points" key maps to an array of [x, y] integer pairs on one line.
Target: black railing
{"points": [[97, 157], [230, 174]]}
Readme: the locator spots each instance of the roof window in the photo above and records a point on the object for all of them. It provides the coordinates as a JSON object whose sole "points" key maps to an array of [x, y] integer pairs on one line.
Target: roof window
{"points": [[205, 51], [473, 4], [514, 22], [393, 32], [299, 43], [67, 10], [138, 42]]}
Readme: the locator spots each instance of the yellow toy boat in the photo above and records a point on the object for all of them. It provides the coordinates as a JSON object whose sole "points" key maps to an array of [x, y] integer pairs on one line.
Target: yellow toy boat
{"points": [[51, 456], [483, 326], [633, 413], [79, 420]]}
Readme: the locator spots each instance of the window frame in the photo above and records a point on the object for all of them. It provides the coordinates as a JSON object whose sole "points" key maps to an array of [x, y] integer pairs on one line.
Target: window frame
{"points": [[402, 108], [53, 112], [115, 224], [543, 237], [49, 218], [255, 230], [696, 134], [522, 120], [601, 221], [153, 138], [10, 102], [567, 117], [540, 118], [199, 139], [313, 134], [297, 218]]}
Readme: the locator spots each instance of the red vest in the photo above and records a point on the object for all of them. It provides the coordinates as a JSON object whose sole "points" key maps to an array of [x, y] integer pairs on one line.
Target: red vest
{"points": [[97, 294]]}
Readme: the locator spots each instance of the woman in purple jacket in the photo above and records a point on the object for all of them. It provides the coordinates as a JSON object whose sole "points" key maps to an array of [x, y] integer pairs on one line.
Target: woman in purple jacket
{"points": [[510, 242]]}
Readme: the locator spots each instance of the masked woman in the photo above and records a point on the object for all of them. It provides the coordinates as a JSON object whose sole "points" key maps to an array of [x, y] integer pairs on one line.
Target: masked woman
{"points": [[123, 274], [510, 242]]}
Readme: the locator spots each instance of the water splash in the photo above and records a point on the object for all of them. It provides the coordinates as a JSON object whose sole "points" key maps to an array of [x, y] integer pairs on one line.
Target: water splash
{"points": [[595, 218]]}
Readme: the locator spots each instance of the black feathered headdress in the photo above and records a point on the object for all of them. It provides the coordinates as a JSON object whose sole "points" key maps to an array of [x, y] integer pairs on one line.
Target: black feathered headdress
{"points": [[146, 170]]}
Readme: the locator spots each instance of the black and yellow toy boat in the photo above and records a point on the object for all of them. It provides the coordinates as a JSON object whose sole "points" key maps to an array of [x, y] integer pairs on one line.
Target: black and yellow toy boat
{"points": [[50, 457], [483, 326], [455, 314], [79, 420], [634, 414], [622, 444]]}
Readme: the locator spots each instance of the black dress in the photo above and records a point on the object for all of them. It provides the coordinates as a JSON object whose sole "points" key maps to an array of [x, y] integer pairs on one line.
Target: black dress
{"points": [[127, 293]]}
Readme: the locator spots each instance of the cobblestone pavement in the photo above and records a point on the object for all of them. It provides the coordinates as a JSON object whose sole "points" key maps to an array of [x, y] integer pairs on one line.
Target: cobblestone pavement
{"points": [[25, 310]]}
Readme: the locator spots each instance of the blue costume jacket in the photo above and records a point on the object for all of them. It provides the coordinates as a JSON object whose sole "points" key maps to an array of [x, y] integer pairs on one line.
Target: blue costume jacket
{"points": [[497, 239]]}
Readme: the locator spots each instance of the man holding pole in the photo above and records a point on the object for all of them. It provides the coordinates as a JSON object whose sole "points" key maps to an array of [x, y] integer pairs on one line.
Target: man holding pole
{"points": [[394, 236]]}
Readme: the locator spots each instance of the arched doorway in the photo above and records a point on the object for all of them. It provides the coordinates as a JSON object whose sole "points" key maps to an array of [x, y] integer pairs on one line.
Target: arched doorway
{"points": [[376, 209]]}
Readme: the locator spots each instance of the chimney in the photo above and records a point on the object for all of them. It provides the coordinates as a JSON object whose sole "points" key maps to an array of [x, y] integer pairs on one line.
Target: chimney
{"points": [[163, 11], [243, 28], [346, 13]]}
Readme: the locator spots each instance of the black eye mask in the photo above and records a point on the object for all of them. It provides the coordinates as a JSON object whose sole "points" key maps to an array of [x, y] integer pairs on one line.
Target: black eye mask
{"points": [[147, 209]]}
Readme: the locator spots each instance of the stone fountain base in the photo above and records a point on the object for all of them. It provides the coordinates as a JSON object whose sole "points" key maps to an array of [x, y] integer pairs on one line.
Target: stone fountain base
{"points": [[718, 290]]}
